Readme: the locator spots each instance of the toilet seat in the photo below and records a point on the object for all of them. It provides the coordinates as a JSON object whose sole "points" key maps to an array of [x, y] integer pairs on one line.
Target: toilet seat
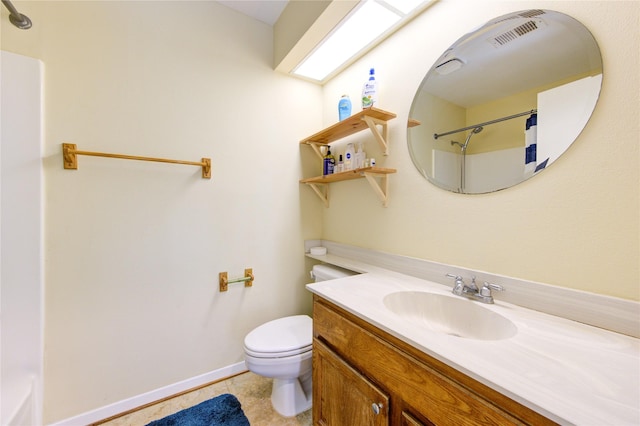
{"points": [[282, 354], [280, 338]]}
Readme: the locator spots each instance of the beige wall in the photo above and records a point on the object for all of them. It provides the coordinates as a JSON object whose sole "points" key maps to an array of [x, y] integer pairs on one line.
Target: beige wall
{"points": [[133, 250], [575, 225]]}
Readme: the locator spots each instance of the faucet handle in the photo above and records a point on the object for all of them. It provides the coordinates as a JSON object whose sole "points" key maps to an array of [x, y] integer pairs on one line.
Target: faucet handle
{"points": [[458, 287], [487, 287]]}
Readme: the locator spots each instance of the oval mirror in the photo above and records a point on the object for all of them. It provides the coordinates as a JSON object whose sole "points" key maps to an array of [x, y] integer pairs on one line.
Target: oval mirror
{"points": [[505, 101]]}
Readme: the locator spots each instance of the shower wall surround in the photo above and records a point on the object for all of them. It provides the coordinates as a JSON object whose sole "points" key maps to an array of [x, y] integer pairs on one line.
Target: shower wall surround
{"points": [[21, 290]]}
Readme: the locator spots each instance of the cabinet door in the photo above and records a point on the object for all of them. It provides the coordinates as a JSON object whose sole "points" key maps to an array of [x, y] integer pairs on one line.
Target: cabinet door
{"points": [[342, 396]]}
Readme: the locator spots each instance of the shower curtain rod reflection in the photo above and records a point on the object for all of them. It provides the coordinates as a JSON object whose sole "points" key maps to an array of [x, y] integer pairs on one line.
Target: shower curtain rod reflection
{"points": [[486, 123], [16, 18]]}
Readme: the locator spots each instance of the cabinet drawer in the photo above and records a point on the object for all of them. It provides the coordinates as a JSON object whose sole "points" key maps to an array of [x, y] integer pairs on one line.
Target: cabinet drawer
{"points": [[427, 391]]}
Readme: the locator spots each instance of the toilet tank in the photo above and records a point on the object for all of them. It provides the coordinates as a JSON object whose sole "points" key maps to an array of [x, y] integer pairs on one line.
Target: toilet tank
{"points": [[329, 272]]}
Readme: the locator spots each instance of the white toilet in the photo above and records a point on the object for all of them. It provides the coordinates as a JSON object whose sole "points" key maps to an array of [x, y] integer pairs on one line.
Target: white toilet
{"points": [[281, 349]]}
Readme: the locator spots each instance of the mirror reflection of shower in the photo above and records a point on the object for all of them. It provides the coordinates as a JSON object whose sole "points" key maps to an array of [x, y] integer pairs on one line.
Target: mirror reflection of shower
{"points": [[473, 132], [463, 152]]}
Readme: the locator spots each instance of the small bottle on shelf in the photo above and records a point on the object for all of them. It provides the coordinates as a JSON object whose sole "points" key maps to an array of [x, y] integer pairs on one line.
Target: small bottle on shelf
{"points": [[360, 157], [340, 166]]}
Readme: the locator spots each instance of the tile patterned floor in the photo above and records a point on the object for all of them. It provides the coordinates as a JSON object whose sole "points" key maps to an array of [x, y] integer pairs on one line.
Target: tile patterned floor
{"points": [[253, 392]]}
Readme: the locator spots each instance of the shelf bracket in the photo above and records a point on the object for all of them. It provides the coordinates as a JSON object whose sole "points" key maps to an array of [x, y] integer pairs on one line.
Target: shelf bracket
{"points": [[380, 188], [380, 137], [321, 190], [316, 149]]}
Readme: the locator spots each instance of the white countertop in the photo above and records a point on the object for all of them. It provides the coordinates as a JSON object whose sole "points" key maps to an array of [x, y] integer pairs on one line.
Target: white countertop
{"points": [[570, 372]]}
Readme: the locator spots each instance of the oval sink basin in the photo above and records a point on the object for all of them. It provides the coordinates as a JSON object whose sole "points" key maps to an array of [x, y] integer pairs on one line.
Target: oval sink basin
{"points": [[450, 315]]}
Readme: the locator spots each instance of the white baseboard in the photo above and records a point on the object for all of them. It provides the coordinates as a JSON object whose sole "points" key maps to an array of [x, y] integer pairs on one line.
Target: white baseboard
{"points": [[152, 396]]}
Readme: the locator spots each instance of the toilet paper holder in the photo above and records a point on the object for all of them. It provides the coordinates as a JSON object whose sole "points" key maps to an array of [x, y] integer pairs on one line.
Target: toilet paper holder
{"points": [[225, 281]]}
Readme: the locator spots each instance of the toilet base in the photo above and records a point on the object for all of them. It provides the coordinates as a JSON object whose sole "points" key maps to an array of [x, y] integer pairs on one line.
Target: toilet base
{"points": [[291, 397]]}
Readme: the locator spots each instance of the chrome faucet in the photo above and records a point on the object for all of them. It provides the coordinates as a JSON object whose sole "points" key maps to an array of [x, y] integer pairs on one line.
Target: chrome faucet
{"points": [[471, 290]]}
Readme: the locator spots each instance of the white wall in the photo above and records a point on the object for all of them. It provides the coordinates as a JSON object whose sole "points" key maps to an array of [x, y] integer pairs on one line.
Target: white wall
{"points": [[575, 225], [133, 249], [21, 290]]}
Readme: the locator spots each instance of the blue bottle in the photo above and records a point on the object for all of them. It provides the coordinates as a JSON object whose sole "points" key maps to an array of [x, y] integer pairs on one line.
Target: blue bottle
{"points": [[344, 107]]}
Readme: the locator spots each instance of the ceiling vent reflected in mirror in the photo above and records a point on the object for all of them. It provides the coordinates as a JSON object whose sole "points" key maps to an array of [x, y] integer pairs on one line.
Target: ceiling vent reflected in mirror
{"points": [[517, 32]]}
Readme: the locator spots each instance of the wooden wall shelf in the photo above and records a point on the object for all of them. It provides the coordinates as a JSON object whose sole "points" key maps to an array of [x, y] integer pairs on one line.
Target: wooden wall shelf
{"points": [[368, 118], [376, 176]]}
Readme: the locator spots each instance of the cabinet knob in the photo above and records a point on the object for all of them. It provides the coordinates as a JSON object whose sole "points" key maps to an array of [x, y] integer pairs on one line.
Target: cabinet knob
{"points": [[376, 407]]}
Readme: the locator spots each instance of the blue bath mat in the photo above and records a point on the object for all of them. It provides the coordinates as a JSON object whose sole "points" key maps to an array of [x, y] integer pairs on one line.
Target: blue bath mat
{"points": [[223, 410]]}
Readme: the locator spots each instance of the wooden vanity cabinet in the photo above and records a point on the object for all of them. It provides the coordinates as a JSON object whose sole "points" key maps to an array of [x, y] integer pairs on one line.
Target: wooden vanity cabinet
{"points": [[365, 376]]}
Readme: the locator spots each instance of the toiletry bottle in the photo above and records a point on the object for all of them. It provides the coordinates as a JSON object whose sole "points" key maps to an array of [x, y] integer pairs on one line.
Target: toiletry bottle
{"points": [[340, 166], [360, 155], [344, 107], [328, 162], [349, 160], [363, 157], [370, 91]]}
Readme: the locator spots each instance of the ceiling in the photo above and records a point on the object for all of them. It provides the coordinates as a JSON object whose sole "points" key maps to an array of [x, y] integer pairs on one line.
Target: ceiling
{"points": [[267, 11]]}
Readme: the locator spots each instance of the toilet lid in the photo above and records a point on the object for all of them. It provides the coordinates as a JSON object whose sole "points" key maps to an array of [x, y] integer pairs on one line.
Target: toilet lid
{"points": [[280, 337]]}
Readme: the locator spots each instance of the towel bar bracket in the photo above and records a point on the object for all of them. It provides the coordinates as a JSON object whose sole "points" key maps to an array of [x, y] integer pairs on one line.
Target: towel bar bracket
{"points": [[69, 156]]}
